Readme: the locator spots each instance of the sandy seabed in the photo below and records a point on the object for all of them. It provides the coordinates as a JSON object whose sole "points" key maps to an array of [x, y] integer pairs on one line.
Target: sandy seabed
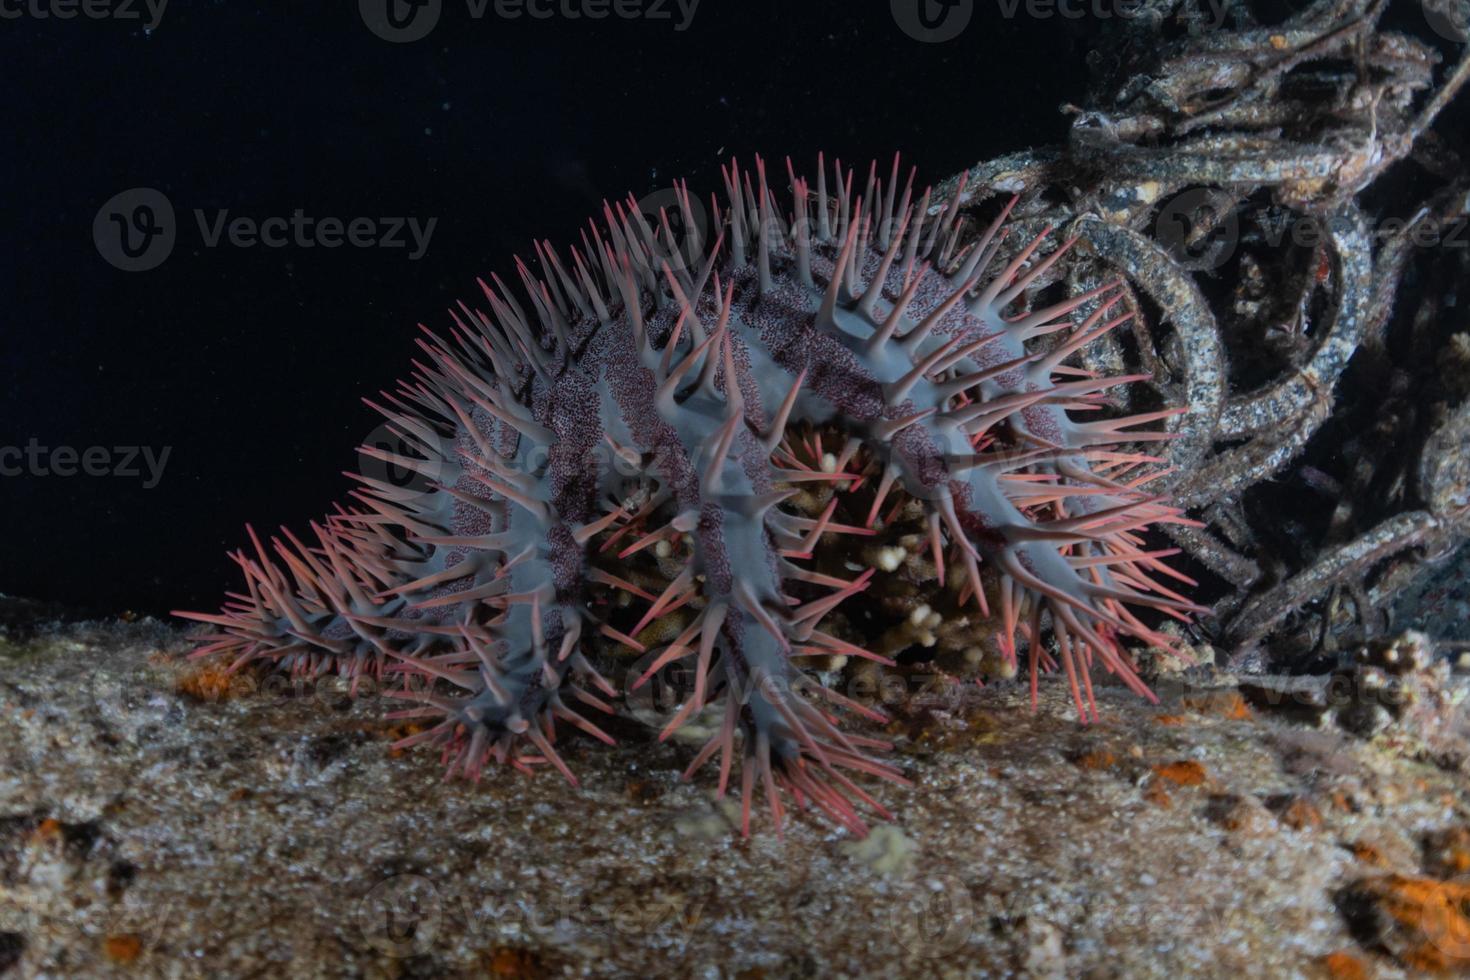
{"points": [[155, 823]]}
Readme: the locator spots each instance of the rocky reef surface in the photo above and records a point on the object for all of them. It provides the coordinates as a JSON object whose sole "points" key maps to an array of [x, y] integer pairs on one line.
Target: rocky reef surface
{"points": [[158, 818]]}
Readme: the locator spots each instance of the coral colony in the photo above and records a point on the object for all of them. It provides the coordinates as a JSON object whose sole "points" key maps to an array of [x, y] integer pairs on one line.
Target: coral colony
{"points": [[646, 449]]}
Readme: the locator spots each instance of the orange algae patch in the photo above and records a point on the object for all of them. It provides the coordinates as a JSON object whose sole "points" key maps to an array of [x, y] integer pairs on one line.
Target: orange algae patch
{"points": [[1301, 814], [48, 829], [1342, 965], [398, 733], [123, 948], [1368, 854], [1184, 772], [510, 962], [1157, 795], [1223, 704], [1097, 759], [210, 683], [1424, 923]]}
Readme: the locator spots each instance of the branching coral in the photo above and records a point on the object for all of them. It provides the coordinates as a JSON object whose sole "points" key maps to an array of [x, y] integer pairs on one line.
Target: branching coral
{"points": [[1289, 196]]}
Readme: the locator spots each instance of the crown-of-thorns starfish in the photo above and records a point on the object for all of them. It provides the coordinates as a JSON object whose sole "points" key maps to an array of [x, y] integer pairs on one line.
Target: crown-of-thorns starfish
{"points": [[640, 392]]}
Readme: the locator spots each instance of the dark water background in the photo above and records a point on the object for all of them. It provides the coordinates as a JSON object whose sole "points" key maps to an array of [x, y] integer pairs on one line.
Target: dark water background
{"points": [[247, 364]]}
